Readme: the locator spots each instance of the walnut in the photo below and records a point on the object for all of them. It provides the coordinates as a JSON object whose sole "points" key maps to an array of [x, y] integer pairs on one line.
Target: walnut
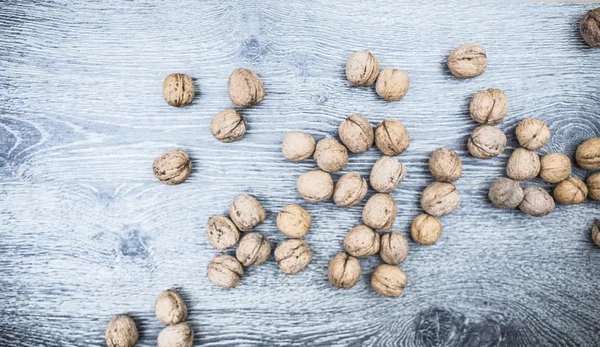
{"points": [[178, 90], [294, 221], [588, 154], [467, 61], [356, 133], [389, 280], [228, 126], [380, 211], [330, 155], [533, 133], [392, 84], [589, 27], [246, 212], [555, 167], [225, 271], [593, 185], [391, 137], [343, 271], [245, 88], [440, 198], [253, 250], [350, 189], [536, 202], [121, 332], [362, 69], [394, 247], [297, 146], [293, 256], [506, 193], [170, 308], [173, 167], [315, 186], [387, 173], [596, 233], [362, 241], [486, 142], [426, 229], [445, 165], [222, 232], [523, 164], [489, 106], [178, 335], [570, 191]]}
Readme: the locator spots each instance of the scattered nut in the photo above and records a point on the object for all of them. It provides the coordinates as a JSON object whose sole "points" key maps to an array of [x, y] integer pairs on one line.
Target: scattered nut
{"points": [[178, 335], [445, 165], [362, 69], [523, 164], [121, 332], [178, 90], [350, 189], [245, 88], [362, 241], [225, 271], [588, 154], [489, 106], [246, 212], [315, 186], [533, 133], [380, 211], [596, 233], [536, 202], [294, 221], [343, 271], [570, 191], [228, 126], [394, 247], [170, 308], [173, 167], [330, 155], [392, 84], [467, 61], [440, 198], [391, 137], [506, 193], [426, 229], [555, 167], [297, 146], [293, 256], [486, 142], [389, 280], [593, 185], [222, 232], [590, 27], [387, 174], [356, 133], [253, 250]]}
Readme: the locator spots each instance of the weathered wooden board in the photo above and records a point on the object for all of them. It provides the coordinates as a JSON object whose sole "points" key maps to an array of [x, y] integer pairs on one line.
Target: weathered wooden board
{"points": [[87, 232]]}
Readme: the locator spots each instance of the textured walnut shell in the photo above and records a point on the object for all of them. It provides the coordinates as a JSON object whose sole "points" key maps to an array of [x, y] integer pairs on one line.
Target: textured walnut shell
{"points": [[246, 212], [362, 69], [294, 221], [178, 335], [588, 154], [523, 164], [356, 133], [486, 142], [228, 126], [445, 165], [222, 232], [173, 167], [392, 84], [440, 198], [506, 193], [536, 202], [389, 280], [387, 173], [380, 211], [121, 332], [426, 229], [293, 256], [225, 271], [245, 88], [555, 167], [170, 308], [533, 133], [362, 241], [330, 155], [253, 250], [596, 233], [343, 271], [394, 247], [467, 61], [297, 146], [570, 191], [593, 185], [315, 186], [589, 27], [178, 90], [350, 189], [489, 106], [391, 137]]}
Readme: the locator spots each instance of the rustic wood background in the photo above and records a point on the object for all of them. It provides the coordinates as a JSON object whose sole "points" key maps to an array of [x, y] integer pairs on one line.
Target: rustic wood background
{"points": [[87, 231]]}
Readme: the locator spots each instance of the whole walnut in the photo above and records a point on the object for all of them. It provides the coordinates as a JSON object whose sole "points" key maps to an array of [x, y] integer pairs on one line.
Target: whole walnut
{"points": [[362, 241], [593, 185], [391, 137], [178, 90], [362, 69], [315, 186], [555, 167], [294, 221], [245, 88], [392, 84], [506, 193], [486, 142], [588, 154], [170, 308], [596, 233], [222, 232], [426, 229], [523, 164], [228, 126], [172, 167], [178, 335], [356, 133], [489, 106], [536, 202], [589, 27], [297, 146], [570, 191], [293, 256], [440, 198], [121, 332], [343, 271], [394, 247], [253, 250], [387, 174], [225, 271], [330, 155], [380, 211], [350, 189], [445, 165], [389, 280], [533, 133], [246, 212], [467, 61]]}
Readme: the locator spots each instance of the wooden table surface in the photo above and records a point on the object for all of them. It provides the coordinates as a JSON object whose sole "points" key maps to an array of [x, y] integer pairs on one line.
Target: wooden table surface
{"points": [[87, 232]]}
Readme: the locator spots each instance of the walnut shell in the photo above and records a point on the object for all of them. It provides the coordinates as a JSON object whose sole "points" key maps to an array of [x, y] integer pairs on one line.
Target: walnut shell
{"points": [[315, 186], [172, 167], [362, 241], [178, 335], [589, 27], [343, 271], [389, 280], [555, 167], [178, 90], [445, 165], [228, 126], [121, 332], [588, 154], [350, 189], [392, 84], [246, 212], [380, 211], [467, 61], [533, 133], [222, 232], [294, 221], [293, 256], [245, 88], [489, 106], [356, 133], [387, 173], [426, 229], [170, 307], [330, 155], [394, 247], [362, 69], [523, 164], [506, 193], [536, 202], [440, 198], [225, 271], [297, 146], [596, 233], [391, 137], [486, 142], [253, 250], [570, 191], [593, 185]]}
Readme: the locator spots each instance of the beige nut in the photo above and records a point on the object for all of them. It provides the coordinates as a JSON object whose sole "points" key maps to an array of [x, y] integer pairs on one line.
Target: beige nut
{"points": [[178, 90], [467, 61], [245, 88], [294, 221], [555, 167], [253, 250], [246, 212], [506, 193], [589, 27], [228, 126], [356, 133], [486, 142], [330, 155], [222, 232], [593, 185], [445, 165], [343, 271], [533, 133], [570, 191], [178, 335], [293, 256], [172, 167], [297, 146], [350, 189], [588, 154], [362, 241], [121, 332], [170, 308], [426, 229], [362, 69], [387, 173], [389, 280], [225, 271], [489, 106], [391, 137], [315, 186], [394, 247], [392, 84], [523, 164], [440, 198], [536, 202], [380, 211], [596, 233]]}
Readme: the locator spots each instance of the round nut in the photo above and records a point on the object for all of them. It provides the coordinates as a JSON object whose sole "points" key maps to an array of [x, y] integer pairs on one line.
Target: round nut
{"points": [[387, 174], [173, 167], [222, 232], [589, 27], [356, 133], [596, 233], [523, 164], [391, 137], [350, 189], [225, 271], [593, 185], [506, 193], [228, 126], [489, 106], [170, 308], [536, 202], [440, 198], [555, 167], [297, 146], [246, 212], [315, 186], [570, 191], [253, 250], [178, 90], [294, 221], [392, 84], [343, 271], [330, 155], [362, 69], [394, 247], [467, 61], [486, 142], [389, 280], [245, 88], [588, 154], [445, 165], [426, 229], [293, 256], [533, 133], [178, 335], [121, 332], [362, 241], [380, 211]]}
